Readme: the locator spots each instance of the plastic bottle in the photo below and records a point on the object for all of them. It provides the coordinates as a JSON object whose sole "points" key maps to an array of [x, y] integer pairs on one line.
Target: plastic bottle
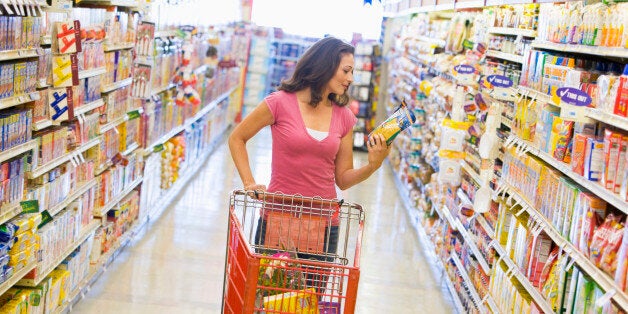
{"points": [[621, 101]]}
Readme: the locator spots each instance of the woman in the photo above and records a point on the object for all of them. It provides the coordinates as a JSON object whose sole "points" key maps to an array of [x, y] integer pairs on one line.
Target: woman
{"points": [[312, 145]]}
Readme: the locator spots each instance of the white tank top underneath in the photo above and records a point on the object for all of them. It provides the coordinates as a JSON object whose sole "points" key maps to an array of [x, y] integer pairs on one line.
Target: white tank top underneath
{"points": [[318, 135]]}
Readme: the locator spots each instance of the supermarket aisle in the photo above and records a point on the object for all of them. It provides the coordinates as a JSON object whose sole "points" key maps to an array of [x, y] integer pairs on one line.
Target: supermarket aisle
{"points": [[177, 265]]}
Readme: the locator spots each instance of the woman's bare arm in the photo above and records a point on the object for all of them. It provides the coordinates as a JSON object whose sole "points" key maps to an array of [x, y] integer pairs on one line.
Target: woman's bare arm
{"points": [[244, 131], [346, 175]]}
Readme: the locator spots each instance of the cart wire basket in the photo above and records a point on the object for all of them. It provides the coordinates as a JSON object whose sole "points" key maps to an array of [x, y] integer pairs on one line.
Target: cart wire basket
{"points": [[291, 254]]}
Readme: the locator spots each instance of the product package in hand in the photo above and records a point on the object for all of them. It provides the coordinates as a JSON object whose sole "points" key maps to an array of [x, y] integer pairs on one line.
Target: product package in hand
{"points": [[400, 120]]}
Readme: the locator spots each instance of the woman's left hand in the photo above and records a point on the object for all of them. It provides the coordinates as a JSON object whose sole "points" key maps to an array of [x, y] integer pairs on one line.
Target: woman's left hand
{"points": [[378, 150]]}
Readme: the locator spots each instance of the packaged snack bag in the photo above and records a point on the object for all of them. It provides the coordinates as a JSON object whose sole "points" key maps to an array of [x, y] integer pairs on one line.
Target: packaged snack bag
{"points": [[400, 120]]}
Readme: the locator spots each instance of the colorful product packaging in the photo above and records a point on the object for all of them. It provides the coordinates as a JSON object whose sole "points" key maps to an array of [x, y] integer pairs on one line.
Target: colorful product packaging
{"points": [[594, 159], [578, 150], [400, 120], [560, 137], [612, 143]]}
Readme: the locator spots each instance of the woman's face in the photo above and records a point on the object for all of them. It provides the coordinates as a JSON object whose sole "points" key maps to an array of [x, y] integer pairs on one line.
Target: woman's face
{"points": [[339, 83]]}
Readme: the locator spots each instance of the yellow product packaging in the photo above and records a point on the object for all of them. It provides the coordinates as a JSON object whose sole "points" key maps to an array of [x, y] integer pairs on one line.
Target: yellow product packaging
{"points": [[301, 302], [22, 242], [398, 121], [35, 300], [13, 307], [60, 282], [44, 287], [20, 259]]}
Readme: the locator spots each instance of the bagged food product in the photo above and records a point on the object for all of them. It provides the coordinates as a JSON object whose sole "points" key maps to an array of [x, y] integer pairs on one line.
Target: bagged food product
{"points": [[399, 120]]}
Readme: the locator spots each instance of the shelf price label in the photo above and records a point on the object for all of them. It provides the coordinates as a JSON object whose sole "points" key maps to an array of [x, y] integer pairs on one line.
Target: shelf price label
{"points": [[133, 114], [30, 206], [45, 219], [158, 148]]}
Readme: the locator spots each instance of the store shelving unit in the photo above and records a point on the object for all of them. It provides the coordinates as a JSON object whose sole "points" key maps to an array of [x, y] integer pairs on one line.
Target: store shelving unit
{"points": [[18, 150], [98, 268], [514, 270], [89, 107], [42, 169], [102, 212], [504, 56], [362, 91], [407, 77], [581, 49], [42, 273], [118, 46], [82, 154], [113, 86], [592, 186], [18, 54], [286, 51], [465, 277], [18, 100], [92, 72], [71, 197], [437, 266], [512, 31], [608, 118], [474, 249], [16, 277], [605, 281], [9, 212]]}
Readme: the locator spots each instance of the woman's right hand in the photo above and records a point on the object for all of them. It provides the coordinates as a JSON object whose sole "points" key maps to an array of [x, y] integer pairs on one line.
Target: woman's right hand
{"points": [[377, 150], [255, 187]]}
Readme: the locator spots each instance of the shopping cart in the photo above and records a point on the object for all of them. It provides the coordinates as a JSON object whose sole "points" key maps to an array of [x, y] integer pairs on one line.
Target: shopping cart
{"points": [[291, 254]]}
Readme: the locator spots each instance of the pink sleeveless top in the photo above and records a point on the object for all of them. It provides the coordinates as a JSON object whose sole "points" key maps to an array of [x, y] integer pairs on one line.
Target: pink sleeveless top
{"points": [[300, 163]]}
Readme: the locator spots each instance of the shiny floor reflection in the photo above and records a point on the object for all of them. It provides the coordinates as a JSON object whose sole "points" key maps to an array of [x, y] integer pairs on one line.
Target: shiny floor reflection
{"points": [[176, 264]]}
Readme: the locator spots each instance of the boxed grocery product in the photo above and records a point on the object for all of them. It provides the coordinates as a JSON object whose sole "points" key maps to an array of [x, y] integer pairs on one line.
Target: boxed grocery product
{"points": [[612, 143], [560, 137], [621, 165], [542, 246], [302, 302], [622, 262], [578, 149], [544, 127], [593, 159], [329, 307]]}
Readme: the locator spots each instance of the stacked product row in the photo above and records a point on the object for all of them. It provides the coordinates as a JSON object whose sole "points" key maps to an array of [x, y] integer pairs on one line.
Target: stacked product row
{"points": [[91, 100], [516, 169]]}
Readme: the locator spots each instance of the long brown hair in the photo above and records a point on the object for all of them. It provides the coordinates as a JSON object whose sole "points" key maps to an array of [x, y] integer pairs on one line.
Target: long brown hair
{"points": [[316, 67]]}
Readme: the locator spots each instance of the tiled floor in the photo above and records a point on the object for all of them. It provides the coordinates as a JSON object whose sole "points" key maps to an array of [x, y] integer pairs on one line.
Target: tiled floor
{"points": [[177, 264]]}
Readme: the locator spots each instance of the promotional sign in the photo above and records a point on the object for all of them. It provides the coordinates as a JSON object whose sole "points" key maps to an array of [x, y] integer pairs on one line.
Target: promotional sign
{"points": [[573, 96], [499, 81], [464, 69], [501, 87], [573, 103]]}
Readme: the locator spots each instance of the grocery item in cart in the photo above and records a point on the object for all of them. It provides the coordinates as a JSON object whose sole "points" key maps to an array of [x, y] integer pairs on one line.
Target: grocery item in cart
{"points": [[400, 120]]}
